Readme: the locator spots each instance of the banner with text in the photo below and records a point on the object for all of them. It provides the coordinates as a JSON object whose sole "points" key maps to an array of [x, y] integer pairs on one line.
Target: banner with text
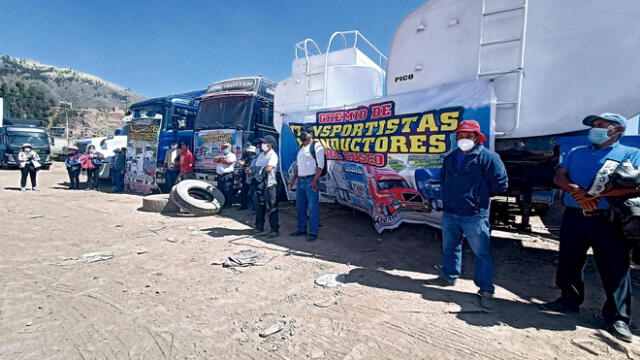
{"points": [[384, 157], [142, 148]]}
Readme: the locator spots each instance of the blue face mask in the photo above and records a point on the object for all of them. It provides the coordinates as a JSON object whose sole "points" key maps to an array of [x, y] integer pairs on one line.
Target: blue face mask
{"points": [[599, 136], [226, 151]]}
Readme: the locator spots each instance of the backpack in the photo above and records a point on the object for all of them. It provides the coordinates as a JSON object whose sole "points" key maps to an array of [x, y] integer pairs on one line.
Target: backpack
{"points": [[313, 153]]}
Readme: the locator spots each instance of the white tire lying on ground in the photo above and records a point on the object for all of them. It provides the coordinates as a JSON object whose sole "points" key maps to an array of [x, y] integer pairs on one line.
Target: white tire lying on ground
{"points": [[197, 197], [158, 203]]}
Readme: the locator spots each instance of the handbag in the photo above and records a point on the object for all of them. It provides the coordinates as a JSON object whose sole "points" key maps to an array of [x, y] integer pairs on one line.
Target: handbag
{"points": [[36, 164]]}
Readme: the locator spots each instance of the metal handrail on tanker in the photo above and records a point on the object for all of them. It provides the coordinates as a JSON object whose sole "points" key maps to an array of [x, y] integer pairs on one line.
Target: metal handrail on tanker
{"points": [[356, 35]]}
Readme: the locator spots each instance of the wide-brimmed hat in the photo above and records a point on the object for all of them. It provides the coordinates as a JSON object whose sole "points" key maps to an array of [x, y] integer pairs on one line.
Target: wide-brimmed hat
{"points": [[251, 148], [72, 148], [26, 145], [226, 145], [611, 117], [472, 126]]}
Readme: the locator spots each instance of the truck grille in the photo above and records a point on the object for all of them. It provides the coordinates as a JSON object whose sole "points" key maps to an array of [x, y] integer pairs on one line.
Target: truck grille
{"points": [[408, 197]]}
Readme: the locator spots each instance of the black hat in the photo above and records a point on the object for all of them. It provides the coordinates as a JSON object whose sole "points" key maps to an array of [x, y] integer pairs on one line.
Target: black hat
{"points": [[269, 139], [307, 128]]}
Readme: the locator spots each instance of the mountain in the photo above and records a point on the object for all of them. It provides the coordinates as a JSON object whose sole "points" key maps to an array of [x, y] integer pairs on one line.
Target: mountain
{"points": [[84, 91]]}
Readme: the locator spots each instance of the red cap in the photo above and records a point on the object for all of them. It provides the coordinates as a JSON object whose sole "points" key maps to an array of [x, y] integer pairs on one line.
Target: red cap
{"points": [[473, 126]]}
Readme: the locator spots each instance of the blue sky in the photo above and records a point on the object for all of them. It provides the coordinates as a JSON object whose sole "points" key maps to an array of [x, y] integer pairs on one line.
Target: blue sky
{"points": [[161, 47]]}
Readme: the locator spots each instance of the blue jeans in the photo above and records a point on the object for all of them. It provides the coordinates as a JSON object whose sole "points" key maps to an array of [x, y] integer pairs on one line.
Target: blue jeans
{"points": [[477, 232], [118, 180], [307, 198]]}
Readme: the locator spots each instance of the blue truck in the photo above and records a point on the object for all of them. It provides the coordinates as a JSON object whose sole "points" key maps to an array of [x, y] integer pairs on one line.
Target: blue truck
{"points": [[155, 123]]}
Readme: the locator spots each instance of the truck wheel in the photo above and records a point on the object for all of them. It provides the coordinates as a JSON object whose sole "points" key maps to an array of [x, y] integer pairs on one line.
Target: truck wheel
{"points": [[158, 203], [197, 197]]}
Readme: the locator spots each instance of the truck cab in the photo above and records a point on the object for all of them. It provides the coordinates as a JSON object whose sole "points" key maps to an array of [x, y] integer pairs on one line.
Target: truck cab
{"points": [[236, 111], [15, 133]]}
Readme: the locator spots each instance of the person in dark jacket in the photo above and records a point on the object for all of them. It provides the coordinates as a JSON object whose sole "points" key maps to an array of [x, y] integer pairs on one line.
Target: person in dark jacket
{"points": [[72, 162], [470, 175], [119, 163], [586, 224], [246, 163]]}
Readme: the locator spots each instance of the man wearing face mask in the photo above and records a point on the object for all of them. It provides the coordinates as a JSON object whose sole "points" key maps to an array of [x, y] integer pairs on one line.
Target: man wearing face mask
{"points": [[225, 165], [586, 224], [310, 164], [265, 166], [172, 164], [470, 175]]}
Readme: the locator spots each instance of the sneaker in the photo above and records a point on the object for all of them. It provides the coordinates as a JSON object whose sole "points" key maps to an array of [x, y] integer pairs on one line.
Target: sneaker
{"points": [[23, 189], [621, 331], [297, 233], [560, 307], [486, 299], [440, 281], [312, 238], [273, 234], [35, 189]]}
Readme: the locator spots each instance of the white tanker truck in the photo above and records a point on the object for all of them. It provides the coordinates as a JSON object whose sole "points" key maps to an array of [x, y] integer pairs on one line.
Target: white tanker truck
{"points": [[550, 63]]}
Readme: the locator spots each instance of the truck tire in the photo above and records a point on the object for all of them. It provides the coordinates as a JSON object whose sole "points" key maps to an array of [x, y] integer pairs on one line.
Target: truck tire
{"points": [[197, 197], [157, 203]]}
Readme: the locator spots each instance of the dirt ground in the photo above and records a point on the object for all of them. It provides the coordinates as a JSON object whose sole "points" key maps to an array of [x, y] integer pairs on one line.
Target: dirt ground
{"points": [[158, 299]]}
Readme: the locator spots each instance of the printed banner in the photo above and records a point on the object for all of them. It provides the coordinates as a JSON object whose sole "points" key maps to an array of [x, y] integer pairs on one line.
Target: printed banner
{"points": [[384, 157], [209, 146], [142, 149]]}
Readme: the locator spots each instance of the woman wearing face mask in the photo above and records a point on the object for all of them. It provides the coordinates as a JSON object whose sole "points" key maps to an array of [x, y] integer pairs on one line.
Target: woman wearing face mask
{"points": [[91, 162], [29, 165], [73, 167]]}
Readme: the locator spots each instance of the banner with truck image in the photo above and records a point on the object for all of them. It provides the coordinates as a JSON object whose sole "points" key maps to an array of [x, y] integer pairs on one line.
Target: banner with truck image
{"points": [[384, 156], [142, 148]]}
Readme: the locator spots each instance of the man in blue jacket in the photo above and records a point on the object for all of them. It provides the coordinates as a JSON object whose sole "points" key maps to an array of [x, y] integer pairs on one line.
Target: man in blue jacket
{"points": [[470, 175]]}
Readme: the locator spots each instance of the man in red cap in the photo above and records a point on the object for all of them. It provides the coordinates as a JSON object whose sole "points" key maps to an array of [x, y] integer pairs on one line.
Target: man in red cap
{"points": [[470, 175]]}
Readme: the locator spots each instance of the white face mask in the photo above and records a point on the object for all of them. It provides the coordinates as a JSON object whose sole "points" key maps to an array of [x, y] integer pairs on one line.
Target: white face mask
{"points": [[91, 151], [264, 147], [27, 149], [174, 146], [466, 144]]}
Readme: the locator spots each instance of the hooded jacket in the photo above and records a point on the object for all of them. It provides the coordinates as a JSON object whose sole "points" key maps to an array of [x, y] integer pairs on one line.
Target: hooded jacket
{"points": [[467, 188]]}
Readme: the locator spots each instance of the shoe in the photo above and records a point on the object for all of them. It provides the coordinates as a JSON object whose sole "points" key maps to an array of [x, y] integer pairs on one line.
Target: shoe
{"points": [[486, 299], [621, 331], [560, 307], [298, 233], [23, 189], [312, 238], [257, 231], [440, 281], [273, 234], [35, 189]]}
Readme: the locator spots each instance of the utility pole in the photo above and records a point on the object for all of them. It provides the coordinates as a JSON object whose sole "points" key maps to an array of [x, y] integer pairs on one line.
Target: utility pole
{"points": [[66, 105]]}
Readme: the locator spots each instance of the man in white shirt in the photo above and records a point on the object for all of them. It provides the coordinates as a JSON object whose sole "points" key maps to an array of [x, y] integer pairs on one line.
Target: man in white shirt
{"points": [[225, 164], [310, 162], [265, 168], [172, 164]]}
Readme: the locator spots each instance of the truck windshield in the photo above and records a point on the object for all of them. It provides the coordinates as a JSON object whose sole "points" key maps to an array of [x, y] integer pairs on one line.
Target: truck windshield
{"points": [[33, 138], [148, 112], [231, 112], [390, 184]]}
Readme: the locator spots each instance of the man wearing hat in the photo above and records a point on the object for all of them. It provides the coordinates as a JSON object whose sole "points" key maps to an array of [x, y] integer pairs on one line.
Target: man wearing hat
{"points": [[310, 164], [470, 175], [586, 224], [264, 175], [246, 162], [225, 164]]}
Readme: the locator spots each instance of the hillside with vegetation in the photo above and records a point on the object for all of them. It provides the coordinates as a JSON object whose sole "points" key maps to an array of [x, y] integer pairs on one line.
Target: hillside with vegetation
{"points": [[34, 90]]}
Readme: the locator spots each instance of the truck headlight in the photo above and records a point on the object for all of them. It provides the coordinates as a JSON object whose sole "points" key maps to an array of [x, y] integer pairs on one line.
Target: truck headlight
{"points": [[395, 203]]}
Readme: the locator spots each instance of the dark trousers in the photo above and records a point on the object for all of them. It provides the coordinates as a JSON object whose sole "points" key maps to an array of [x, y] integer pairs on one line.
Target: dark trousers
{"points": [[31, 172], [225, 182], [267, 205], [93, 178], [118, 180], [611, 253], [245, 195], [172, 177], [74, 177]]}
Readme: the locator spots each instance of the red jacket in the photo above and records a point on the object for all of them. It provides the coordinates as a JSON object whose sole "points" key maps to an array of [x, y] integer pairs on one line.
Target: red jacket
{"points": [[186, 162]]}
